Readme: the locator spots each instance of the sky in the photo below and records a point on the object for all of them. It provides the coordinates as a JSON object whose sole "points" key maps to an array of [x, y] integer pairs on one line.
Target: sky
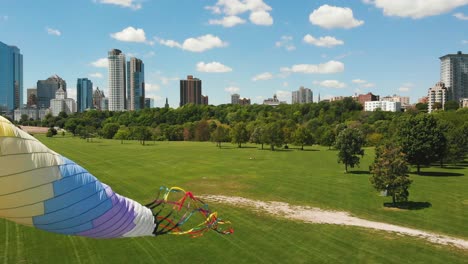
{"points": [[255, 48]]}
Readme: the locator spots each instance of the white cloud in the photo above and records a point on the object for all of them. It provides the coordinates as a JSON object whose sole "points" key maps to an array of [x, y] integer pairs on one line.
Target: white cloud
{"points": [[259, 10], [214, 67], [232, 89], [131, 34], [285, 84], [465, 42], [334, 17], [332, 84], [327, 41], [461, 16], [359, 81], [286, 42], [363, 83], [283, 95], [54, 32], [368, 85], [167, 80], [123, 3], [101, 63], [416, 8], [150, 54], [199, 44], [227, 21], [406, 87], [261, 18], [96, 75], [263, 77], [324, 68], [152, 88]]}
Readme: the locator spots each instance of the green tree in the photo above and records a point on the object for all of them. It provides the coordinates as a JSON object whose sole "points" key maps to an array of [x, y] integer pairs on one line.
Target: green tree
{"points": [[273, 135], [239, 134], [422, 107], [390, 173], [71, 125], [219, 135], [109, 130], [302, 136], [328, 138], [141, 133], [421, 139], [202, 131], [437, 106], [122, 134], [451, 105], [258, 135], [349, 144]]}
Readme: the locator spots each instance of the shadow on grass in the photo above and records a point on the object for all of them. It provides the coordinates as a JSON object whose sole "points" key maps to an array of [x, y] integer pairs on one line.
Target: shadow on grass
{"points": [[359, 172], [453, 168], [438, 174], [305, 150], [409, 205]]}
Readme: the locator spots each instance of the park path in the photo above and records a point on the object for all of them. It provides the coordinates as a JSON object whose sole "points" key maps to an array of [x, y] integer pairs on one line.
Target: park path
{"points": [[318, 216]]}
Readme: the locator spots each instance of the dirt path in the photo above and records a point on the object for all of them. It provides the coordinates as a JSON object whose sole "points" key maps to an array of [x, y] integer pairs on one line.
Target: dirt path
{"points": [[319, 216]]}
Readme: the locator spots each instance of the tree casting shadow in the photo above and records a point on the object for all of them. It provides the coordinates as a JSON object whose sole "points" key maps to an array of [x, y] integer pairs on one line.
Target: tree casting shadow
{"points": [[409, 205], [438, 174], [359, 172]]}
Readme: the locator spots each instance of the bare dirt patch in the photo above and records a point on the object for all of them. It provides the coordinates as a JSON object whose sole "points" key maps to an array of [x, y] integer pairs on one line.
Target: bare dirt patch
{"points": [[318, 216]]}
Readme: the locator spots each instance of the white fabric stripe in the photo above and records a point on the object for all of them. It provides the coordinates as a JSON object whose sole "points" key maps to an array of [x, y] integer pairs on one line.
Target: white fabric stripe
{"points": [[29, 179], [143, 222], [24, 162], [11, 146]]}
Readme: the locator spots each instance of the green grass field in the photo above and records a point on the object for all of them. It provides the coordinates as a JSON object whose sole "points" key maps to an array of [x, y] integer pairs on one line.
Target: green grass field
{"points": [[310, 177]]}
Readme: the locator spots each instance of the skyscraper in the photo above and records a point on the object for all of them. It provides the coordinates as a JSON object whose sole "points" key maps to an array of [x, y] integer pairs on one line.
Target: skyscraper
{"points": [[117, 88], [454, 74], [135, 84], [46, 90], [437, 94], [11, 78], [84, 94], [149, 102], [190, 91], [302, 96], [235, 99], [98, 96]]}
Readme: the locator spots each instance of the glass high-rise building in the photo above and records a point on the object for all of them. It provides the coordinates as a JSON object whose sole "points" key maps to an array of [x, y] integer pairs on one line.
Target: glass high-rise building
{"points": [[11, 78], [190, 91], [84, 94], [117, 78], [46, 90], [135, 84], [302, 96], [454, 74]]}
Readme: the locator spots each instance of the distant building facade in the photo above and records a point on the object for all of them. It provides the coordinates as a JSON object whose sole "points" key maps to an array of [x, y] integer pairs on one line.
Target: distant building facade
{"points": [[149, 103], [117, 79], [369, 97], [32, 113], [235, 99], [464, 102], [454, 74], [84, 95], [273, 101], [135, 84], [437, 94], [190, 91], [386, 106], [244, 101], [61, 103], [404, 100], [98, 95], [204, 100], [11, 78], [46, 90], [31, 94], [302, 96]]}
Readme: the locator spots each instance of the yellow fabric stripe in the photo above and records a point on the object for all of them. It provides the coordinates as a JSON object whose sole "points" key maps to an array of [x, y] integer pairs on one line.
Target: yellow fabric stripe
{"points": [[29, 179], [14, 164], [23, 221], [10, 145], [4, 120], [25, 211], [6, 130], [27, 197]]}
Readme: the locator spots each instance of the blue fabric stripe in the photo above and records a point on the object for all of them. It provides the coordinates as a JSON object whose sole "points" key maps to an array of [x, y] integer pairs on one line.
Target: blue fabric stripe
{"points": [[77, 229], [70, 169], [76, 209], [84, 218], [73, 182], [73, 196]]}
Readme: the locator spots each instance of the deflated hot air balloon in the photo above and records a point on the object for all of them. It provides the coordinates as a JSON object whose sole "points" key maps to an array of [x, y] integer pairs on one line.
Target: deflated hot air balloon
{"points": [[41, 188]]}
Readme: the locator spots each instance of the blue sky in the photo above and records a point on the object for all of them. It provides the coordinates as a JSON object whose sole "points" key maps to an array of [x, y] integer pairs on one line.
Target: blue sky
{"points": [[252, 47]]}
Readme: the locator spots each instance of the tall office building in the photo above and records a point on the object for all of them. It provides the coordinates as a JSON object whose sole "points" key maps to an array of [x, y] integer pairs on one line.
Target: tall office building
{"points": [[61, 103], [190, 91], [149, 102], [117, 88], [302, 96], [454, 74], [84, 95], [437, 94], [135, 84], [31, 95], [11, 78], [98, 96], [46, 90], [235, 99]]}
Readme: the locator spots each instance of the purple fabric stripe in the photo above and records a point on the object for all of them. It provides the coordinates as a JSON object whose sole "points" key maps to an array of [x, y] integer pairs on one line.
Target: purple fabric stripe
{"points": [[115, 221]]}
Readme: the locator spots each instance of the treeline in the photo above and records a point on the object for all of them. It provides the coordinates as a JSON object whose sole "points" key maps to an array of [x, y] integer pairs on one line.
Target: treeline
{"points": [[298, 124]]}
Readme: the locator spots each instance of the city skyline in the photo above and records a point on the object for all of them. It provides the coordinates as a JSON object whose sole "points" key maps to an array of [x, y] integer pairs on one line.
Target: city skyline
{"points": [[271, 48]]}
